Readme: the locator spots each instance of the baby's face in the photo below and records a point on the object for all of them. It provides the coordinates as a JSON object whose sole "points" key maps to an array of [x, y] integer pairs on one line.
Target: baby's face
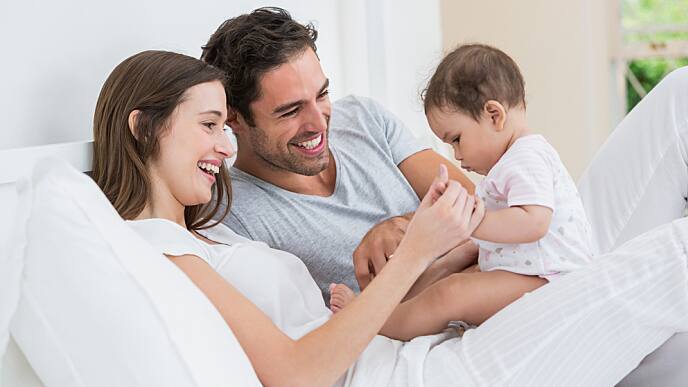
{"points": [[476, 144]]}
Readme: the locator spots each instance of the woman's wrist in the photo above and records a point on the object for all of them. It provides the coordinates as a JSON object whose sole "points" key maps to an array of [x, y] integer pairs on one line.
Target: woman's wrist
{"points": [[413, 259]]}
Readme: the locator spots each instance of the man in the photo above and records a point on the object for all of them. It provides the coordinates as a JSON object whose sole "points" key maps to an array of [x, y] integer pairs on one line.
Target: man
{"points": [[312, 177]]}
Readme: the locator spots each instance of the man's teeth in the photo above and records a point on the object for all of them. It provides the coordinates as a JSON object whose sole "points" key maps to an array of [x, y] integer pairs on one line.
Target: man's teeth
{"points": [[310, 144], [209, 167]]}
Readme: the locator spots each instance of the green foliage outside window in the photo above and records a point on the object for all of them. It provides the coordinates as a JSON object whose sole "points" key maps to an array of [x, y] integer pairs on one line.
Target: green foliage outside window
{"points": [[643, 13]]}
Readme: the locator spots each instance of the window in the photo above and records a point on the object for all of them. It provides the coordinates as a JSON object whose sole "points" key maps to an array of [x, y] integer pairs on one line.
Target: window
{"points": [[654, 41]]}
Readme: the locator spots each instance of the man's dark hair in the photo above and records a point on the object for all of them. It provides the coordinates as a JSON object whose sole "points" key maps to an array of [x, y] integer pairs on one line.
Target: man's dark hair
{"points": [[248, 46], [470, 76]]}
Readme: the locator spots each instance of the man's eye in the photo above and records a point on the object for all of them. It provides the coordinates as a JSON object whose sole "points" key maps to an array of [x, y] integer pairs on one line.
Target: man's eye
{"points": [[456, 140], [290, 113], [324, 94]]}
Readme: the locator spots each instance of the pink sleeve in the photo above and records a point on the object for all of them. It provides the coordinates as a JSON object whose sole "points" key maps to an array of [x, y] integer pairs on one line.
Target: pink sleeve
{"points": [[527, 178]]}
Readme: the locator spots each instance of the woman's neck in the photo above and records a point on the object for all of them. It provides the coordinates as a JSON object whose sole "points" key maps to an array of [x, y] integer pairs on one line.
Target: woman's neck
{"points": [[162, 204]]}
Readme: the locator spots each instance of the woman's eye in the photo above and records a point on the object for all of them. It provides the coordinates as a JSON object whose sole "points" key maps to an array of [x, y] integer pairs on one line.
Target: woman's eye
{"points": [[456, 140], [324, 94]]}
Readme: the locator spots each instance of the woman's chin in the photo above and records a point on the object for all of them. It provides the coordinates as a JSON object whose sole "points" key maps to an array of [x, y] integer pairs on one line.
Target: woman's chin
{"points": [[199, 200]]}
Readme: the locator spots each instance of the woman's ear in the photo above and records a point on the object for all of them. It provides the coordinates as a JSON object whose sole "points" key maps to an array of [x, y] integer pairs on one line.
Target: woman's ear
{"points": [[496, 112], [133, 118]]}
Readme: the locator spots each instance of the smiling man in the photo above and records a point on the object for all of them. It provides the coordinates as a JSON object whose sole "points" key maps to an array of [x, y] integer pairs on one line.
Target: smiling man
{"points": [[333, 184]]}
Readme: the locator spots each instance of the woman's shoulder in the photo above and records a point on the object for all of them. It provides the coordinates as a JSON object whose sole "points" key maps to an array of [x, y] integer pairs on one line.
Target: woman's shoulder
{"points": [[169, 238]]}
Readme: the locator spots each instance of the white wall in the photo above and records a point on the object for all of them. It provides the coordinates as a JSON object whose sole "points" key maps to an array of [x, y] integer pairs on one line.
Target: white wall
{"points": [[403, 41], [563, 49], [56, 55]]}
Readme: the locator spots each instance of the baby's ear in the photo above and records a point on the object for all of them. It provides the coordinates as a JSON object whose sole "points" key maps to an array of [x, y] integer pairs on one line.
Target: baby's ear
{"points": [[496, 112]]}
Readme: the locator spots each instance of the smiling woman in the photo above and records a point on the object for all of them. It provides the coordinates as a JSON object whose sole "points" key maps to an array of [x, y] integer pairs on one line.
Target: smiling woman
{"points": [[134, 119]]}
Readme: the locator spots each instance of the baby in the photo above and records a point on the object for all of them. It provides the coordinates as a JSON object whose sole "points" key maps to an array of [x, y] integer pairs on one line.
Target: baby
{"points": [[534, 228]]}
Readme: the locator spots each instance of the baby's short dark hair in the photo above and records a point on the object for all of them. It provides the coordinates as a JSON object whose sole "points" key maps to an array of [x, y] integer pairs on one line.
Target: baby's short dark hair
{"points": [[470, 76]]}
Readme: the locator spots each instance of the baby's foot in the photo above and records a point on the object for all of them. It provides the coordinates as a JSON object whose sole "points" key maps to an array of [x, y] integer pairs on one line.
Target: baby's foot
{"points": [[340, 296]]}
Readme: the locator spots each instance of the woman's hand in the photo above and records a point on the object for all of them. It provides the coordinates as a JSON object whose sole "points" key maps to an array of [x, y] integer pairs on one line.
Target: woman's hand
{"points": [[444, 219]]}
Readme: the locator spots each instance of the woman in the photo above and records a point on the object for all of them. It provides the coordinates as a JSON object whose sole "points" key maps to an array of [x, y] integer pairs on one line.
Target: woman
{"points": [[159, 147]]}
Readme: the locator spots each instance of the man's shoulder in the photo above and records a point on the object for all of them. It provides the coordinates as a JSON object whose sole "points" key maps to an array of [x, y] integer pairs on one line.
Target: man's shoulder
{"points": [[245, 186], [356, 107]]}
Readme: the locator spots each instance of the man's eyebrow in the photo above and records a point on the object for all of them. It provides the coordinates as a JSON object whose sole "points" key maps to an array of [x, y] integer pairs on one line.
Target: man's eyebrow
{"points": [[324, 86], [290, 105]]}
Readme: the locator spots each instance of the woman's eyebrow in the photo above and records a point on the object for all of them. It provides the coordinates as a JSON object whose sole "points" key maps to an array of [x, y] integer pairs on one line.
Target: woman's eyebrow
{"points": [[214, 112]]}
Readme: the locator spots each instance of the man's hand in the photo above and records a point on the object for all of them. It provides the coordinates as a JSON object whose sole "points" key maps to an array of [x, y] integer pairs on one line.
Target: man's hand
{"points": [[376, 247]]}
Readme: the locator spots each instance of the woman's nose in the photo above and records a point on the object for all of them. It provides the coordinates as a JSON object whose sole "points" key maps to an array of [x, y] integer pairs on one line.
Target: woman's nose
{"points": [[224, 145]]}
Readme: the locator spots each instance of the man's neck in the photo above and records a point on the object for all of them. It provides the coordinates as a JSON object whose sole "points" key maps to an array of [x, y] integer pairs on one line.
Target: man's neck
{"points": [[322, 184]]}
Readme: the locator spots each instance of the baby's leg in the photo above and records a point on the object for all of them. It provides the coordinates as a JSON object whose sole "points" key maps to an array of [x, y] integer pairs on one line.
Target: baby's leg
{"points": [[469, 297], [340, 296]]}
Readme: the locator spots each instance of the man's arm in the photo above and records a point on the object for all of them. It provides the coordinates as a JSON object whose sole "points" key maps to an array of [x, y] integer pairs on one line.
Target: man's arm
{"points": [[420, 168], [380, 242]]}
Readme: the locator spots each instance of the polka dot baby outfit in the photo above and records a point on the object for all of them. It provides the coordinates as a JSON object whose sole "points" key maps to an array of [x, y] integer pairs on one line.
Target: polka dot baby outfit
{"points": [[531, 173]]}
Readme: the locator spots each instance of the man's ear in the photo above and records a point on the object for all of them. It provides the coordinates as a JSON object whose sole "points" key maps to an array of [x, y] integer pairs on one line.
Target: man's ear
{"points": [[236, 121], [133, 119], [496, 112]]}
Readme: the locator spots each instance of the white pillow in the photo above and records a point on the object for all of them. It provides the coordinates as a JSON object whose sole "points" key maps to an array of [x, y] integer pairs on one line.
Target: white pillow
{"points": [[99, 307]]}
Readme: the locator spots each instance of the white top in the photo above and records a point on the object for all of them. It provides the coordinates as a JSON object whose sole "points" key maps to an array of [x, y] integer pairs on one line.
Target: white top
{"points": [[275, 281], [531, 173]]}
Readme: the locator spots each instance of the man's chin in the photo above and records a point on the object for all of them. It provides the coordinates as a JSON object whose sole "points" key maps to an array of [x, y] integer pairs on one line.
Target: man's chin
{"points": [[312, 170]]}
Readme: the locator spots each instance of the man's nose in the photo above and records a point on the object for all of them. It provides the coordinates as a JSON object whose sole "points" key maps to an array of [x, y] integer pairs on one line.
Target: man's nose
{"points": [[317, 117]]}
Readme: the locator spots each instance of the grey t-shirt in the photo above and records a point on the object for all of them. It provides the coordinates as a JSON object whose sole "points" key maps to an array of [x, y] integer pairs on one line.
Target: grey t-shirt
{"points": [[367, 143]]}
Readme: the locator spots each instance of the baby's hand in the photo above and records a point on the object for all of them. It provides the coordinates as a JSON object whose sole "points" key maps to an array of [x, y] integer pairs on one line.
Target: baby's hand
{"points": [[340, 296], [478, 214]]}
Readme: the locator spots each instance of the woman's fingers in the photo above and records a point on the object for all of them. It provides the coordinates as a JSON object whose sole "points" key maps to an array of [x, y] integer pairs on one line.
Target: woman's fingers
{"points": [[468, 209], [437, 188], [443, 175], [451, 194]]}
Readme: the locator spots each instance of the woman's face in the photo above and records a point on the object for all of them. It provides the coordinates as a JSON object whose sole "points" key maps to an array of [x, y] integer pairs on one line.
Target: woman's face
{"points": [[192, 147]]}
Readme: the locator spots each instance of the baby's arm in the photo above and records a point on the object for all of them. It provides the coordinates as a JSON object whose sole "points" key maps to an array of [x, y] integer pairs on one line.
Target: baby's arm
{"points": [[517, 224]]}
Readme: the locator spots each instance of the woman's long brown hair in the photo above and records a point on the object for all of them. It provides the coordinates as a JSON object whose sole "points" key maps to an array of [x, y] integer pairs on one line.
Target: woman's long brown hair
{"points": [[153, 82]]}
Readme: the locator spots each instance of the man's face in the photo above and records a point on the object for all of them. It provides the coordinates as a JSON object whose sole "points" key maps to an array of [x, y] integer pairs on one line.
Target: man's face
{"points": [[291, 117]]}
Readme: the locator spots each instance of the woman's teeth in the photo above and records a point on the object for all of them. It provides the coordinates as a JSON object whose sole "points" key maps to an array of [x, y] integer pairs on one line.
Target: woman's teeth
{"points": [[311, 144], [209, 167]]}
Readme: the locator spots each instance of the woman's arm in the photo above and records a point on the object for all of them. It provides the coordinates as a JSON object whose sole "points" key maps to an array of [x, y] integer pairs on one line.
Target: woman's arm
{"points": [[321, 356], [324, 354], [518, 224]]}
